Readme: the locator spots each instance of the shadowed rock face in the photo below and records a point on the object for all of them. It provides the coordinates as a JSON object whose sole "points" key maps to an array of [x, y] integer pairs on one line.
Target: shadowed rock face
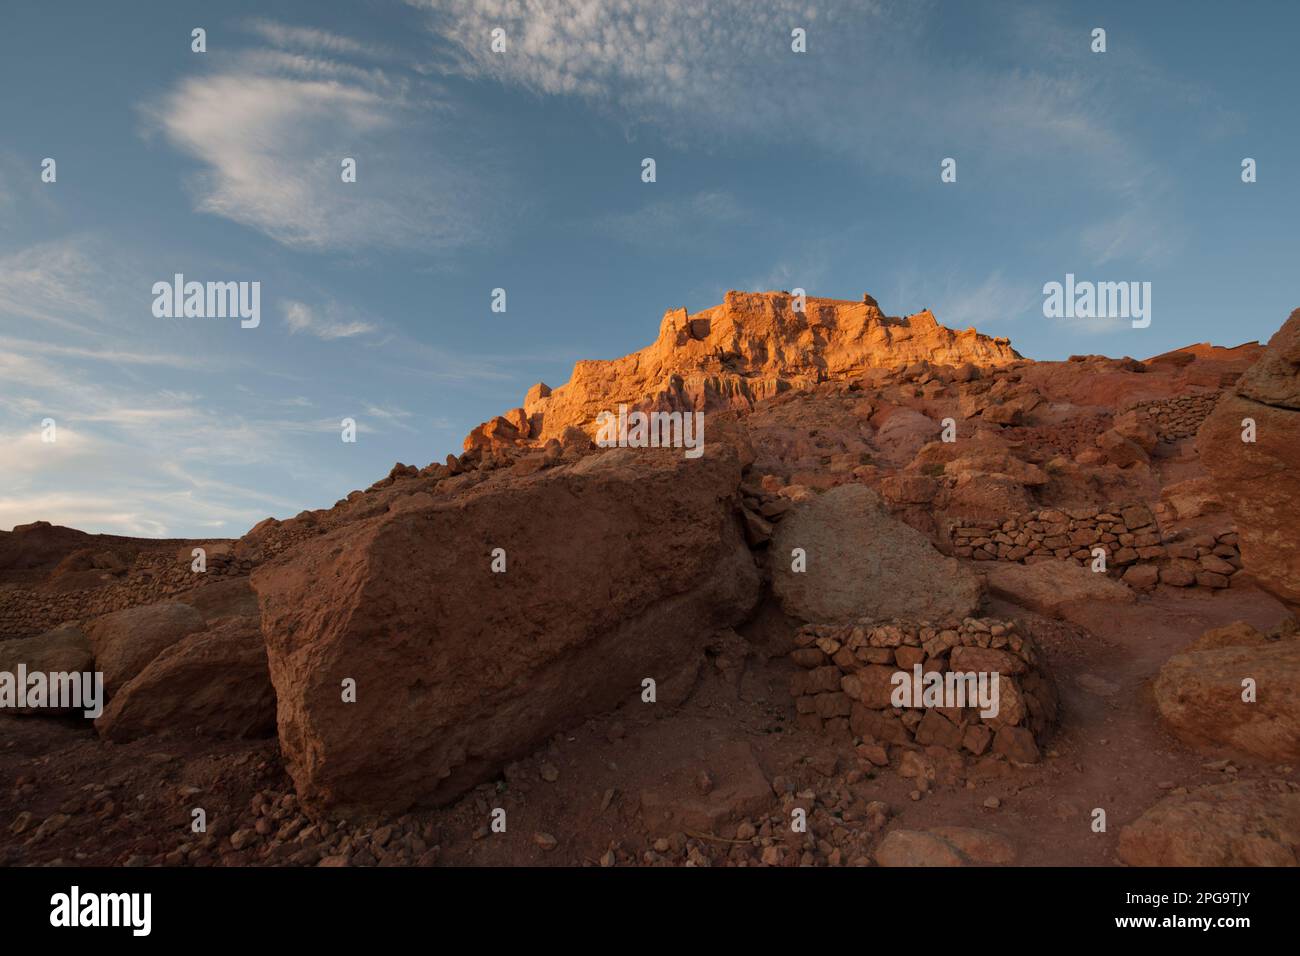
{"points": [[751, 347], [126, 641], [864, 564], [618, 568], [1260, 481], [1199, 692], [1236, 824], [211, 683], [64, 649]]}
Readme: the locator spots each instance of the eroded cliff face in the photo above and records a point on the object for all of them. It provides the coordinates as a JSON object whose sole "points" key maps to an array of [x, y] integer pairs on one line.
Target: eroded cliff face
{"points": [[752, 346]]}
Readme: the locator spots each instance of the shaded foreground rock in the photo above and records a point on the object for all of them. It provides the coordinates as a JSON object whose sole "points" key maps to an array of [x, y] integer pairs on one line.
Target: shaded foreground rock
{"points": [[211, 683], [1199, 693], [1234, 824], [126, 641], [1259, 480], [62, 650], [619, 568], [863, 563], [234, 597], [1050, 587]]}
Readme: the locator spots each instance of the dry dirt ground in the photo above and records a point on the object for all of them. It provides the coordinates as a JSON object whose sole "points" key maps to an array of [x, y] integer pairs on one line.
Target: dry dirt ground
{"points": [[710, 782]]}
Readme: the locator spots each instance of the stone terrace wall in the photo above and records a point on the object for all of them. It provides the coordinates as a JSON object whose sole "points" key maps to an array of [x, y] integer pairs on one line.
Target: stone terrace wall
{"points": [[26, 611], [159, 575], [1136, 549], [844, 684], [1062, 438], [1180, 417]]}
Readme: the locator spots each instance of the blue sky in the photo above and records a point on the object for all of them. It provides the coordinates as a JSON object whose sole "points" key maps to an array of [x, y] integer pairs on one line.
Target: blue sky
{"points": [[521, 170]]}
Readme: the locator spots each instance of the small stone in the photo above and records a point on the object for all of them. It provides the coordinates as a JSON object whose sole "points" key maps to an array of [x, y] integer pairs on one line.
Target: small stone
{"points": [[545, 841], [550, 773], [992, 803], [874, 754]]}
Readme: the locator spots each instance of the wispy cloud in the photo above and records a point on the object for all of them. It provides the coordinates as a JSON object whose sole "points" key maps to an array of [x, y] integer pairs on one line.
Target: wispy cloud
{"points": [[110, 355], [657, 61], [805, 268], [1140, 234], [271, 130], [669, 69], [668, 64], [963, 299], [136, 491], [671, 224], [51, 283], [390, 415], [994, 300], [310, 38], [300, 317]]}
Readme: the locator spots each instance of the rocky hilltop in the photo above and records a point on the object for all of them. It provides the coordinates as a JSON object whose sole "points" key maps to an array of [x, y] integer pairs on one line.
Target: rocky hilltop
{"points": [[640, 657], [751, 347]]}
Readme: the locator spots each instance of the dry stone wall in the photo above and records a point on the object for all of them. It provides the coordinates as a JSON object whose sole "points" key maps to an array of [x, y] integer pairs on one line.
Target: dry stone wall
{"points": [[28, 611], [846, 679], [1137, 550], [160, 575], [1178, 417]]}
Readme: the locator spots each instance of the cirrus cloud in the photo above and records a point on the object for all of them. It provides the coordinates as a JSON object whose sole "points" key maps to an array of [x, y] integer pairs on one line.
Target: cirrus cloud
{"points": [[271, 129]]}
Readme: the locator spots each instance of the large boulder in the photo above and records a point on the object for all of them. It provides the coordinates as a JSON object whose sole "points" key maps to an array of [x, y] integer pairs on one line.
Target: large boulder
{"points": [[1234, 824], [212, 683], [1052, 587], [863, 563], [1275, 378], [1199, 693], [126, 641], [1259, 481], [224, 598], [1192, 497], [902, 433], [618, 568], [63, 650]]}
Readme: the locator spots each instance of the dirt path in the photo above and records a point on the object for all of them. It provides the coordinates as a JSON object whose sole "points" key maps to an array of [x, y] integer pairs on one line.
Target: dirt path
{"points": [[1111, 751]]}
